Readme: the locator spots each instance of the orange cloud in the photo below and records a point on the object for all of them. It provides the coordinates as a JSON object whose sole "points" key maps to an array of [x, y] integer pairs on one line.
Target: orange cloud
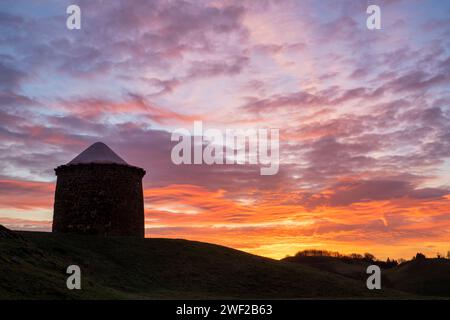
{"points": [[265, 227], [26, 195]]}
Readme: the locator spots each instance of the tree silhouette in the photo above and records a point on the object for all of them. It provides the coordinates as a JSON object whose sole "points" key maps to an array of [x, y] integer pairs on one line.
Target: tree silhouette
{"points": [[419, 256]]}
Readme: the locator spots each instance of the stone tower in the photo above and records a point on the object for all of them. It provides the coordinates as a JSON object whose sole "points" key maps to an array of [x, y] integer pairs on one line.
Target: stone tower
{"points": [[99, 193]]}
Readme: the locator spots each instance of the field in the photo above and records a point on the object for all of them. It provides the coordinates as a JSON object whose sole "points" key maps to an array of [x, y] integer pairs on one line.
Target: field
{"points": [[34, 267]]}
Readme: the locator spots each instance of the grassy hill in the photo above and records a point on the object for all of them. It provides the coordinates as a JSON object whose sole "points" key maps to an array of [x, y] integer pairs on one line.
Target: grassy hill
{"points": [[33, 266], [352, 269], [422, 276], [426, 277]]}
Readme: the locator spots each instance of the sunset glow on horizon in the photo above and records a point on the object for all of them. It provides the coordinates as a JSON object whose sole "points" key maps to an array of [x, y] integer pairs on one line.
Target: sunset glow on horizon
{"points": [[363, 117]]}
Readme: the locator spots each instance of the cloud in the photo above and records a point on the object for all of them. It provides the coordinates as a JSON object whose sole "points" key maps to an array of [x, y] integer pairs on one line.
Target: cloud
{"points": [[348, 192], [25, 194], [418, 80], [131, 104], [10, 77]]}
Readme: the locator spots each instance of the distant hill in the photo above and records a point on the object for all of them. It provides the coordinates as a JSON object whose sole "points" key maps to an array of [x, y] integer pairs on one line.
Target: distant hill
{"points": [[355, 269], [126, 268], [427, 277], [422, 276]]}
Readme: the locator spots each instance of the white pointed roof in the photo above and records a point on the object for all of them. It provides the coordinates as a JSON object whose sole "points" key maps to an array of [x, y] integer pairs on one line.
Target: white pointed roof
{"points": [[98, 153]]}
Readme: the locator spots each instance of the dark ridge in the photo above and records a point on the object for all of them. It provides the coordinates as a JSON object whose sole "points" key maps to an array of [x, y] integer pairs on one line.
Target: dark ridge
{"points": [[5, 233], [133, 268]]}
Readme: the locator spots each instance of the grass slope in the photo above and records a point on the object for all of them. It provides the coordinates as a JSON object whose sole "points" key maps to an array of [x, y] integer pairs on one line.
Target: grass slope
{"points": [[353, 269], [34, 268], [422, 276], [425, 277]]}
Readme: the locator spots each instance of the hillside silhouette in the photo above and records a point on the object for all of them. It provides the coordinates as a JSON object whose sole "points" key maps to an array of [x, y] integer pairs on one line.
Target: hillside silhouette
{"points": [[427, 276], [34, 265], [419, 276]]}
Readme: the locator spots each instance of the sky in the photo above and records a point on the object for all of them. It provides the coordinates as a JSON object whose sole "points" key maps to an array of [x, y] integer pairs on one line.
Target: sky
{"points": [[363, 116]]}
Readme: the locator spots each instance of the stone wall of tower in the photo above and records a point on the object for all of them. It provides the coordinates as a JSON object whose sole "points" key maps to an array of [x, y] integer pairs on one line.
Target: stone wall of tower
{"points": [[102, 199]]}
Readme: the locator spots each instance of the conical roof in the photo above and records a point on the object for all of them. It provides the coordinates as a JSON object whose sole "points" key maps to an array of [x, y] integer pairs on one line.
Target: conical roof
{"points": [[98, 153]]}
